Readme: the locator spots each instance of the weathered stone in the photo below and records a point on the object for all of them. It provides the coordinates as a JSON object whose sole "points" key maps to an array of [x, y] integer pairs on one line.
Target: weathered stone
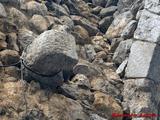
{"points": [[90, 27], [99, 2], [78, 88], [38, 23], [33, 7], [148, 27], [3, 43], [108, 11], [122, 51], [140, 96], [143, 61], [90, 52], [96, 10], [119, 24], [111, 2], [121, 69], [86, 68], [53, 50], [105, 23], [17, 17], [7, 26], [57, 9], [115, 43], [153, 6], [9, 57], [106, 105], [128, 31], [81, 35], [2, 11], [12, 41], [67, 21], [25, 37]]}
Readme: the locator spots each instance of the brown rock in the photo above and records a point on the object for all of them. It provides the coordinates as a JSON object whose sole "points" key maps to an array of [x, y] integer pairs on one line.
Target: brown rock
{"points": [[9, 57], [105, 105], [3, 43]]}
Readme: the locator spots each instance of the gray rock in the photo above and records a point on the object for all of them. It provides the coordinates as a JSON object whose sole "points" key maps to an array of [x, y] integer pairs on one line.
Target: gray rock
{"points": [[99, 2], [57, 9], [121, 69], [153, 6], [38, 23], [96, 117], [111, 2], [118, 24], [148, 27], [133, 5], [105, 23], [87, 69], [2, 11], [96, 10], [89, 26], [140, 96], [34, 7], [67, 21], [144, 61], [90, 52], [122, 51], [51, 52], [108, 11], [115, 43], [128, 31], [25, 37]]}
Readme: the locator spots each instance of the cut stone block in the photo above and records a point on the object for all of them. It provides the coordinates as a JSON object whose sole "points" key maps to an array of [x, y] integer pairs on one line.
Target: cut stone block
{"points": [[144, 61], [148, 27]]}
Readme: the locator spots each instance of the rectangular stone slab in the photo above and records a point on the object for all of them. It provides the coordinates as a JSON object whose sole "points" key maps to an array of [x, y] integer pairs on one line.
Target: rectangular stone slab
{"points": [[144, 61], [148, 28]]}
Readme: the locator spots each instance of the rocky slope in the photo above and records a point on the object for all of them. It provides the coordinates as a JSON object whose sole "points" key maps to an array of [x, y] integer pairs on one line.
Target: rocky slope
{"points": [[79, 59]]}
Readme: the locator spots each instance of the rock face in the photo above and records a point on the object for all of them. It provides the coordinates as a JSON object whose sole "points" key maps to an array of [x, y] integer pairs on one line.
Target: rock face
{"points": [[53, 50]]}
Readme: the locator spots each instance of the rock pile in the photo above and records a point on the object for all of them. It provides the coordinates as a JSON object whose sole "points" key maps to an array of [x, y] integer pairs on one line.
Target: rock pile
{"points": [[79, 59]]}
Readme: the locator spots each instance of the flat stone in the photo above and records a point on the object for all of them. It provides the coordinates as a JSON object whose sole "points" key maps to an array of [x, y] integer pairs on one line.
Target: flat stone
{"points": [[144, 61], [148, 28], [152, 6]]}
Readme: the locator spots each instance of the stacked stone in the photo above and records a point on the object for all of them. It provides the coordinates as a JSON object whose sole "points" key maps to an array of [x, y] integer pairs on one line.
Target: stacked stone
{"points": [[143, 69]]}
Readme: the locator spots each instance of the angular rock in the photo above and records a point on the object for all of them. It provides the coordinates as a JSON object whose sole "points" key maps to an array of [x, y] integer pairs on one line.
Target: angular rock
{"points": [[105, 105], [25, 37], [3, 43], [105, 23], [90, 27], [121, 69], [107, 11], [57, 9], [122, 51], [96, 10], [51, 52], [38, 23], [81, 35], [17, 17], [96, 117], [33, 7], [153, 6], [148, 28], [143, 61], [87, 69], [140, 96], [90, 52], [128, 31], [67, 21], [9, 57], [12, 41], [111, 2], [119, 24], [99, 2], [2, 11]]}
